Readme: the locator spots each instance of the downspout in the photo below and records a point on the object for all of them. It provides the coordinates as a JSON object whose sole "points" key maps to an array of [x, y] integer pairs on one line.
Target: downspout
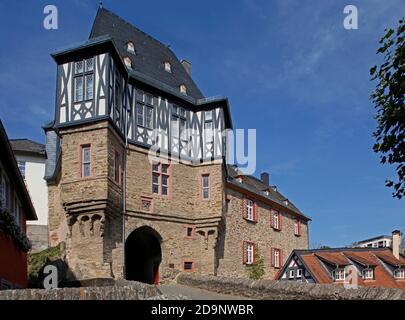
{"points": [[124, 188]]}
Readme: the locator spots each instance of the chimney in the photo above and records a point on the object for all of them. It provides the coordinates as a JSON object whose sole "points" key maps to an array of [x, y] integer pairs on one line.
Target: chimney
{"points": [[264, 176], [186, 66], [396, 243]]}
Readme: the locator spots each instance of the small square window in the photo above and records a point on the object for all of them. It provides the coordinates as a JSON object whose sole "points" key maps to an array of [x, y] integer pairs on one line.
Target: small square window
{"points": [[188, 265]]}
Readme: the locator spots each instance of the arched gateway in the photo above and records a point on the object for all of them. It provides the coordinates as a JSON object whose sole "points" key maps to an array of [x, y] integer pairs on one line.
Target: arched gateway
{"points": [[143, 255]]}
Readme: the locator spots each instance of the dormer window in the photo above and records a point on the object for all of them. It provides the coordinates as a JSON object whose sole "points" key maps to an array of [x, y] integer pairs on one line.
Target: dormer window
{"points": [[131, 47], [168, 68], [399, 274], [183, 89], [128, 62], [368, 274], [339, 275]]}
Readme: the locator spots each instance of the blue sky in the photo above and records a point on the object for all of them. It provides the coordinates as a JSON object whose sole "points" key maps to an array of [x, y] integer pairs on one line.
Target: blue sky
{"points": [[289, 68]]}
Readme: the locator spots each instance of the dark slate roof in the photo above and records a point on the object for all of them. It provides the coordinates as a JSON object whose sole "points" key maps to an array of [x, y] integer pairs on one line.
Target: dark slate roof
{"points": [[10, 166], [255, 185], [150, 55], [28, 146]]}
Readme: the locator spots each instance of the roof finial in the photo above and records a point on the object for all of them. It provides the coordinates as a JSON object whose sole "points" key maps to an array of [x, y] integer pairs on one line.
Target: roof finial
{"points": [[100, 4]]}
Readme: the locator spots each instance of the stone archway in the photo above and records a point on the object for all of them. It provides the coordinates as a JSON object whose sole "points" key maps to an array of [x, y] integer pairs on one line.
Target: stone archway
{"points": [[143, 255]]}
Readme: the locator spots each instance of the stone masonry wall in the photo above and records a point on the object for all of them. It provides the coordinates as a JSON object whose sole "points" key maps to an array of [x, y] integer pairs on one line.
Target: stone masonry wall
{"points": [[238, 229], [287, 290], [130, 291]]}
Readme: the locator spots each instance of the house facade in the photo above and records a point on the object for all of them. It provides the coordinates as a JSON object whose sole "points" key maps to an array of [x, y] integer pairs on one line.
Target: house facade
{"points": [[137, 176], [382, 241], [15, 210], [31, 158], [366, 266]]}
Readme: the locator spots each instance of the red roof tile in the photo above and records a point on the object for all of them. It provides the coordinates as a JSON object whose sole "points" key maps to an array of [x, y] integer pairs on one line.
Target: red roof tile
{"points": [[376, 258]]}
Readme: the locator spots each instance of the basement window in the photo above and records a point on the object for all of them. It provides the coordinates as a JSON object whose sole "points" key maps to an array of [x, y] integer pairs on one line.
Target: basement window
{"points": [[188, 266]]}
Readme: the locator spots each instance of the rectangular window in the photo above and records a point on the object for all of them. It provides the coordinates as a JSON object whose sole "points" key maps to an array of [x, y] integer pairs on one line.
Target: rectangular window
{"points": [[85, 160], [21, 166], [144, 116], [399, 274], [84, 80], [276, 258], [117, 168], [339, 275], [89, 87], [149, 117], [188, 265], [248, 207], [189, 232], [78, 89], [297, 227], [248, 252], [160, 178], [175, 126], [299, 273], [205, 185], [139, 115], [276, 219], [368, 274], [292, 274]]}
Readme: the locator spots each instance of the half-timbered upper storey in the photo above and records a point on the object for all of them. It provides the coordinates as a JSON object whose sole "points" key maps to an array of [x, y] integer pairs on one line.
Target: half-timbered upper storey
{"points": [[136, 82]]}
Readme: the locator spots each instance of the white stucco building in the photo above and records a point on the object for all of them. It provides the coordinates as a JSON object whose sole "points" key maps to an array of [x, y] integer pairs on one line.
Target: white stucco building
{"points": [[31, 157]]}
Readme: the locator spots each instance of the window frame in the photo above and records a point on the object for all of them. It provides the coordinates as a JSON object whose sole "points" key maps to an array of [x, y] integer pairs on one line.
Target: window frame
{"points": [[82, 162], [249, 211], [159, 172], [248, 252], [399, 274], [367, 277], [275, 213], [192, 266], [83, 75], [298, 274], [297, 227], [336, 274], [276, 258], [203, 188]]}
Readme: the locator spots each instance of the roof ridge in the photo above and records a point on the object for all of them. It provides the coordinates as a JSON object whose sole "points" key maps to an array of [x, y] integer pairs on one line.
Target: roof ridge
{"points": [[130, 24]]}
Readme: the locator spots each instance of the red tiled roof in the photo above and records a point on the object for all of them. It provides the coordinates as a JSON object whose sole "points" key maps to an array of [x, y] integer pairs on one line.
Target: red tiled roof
{"points": [[313, 259], [333, 258], [316, 269], [389, 258]]}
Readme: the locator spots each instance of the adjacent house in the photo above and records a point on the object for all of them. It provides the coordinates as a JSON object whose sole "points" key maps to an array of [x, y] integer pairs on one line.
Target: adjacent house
{"points": [[374, 267], [138, 182], [31, 157], [382, 241], [15, 209]]}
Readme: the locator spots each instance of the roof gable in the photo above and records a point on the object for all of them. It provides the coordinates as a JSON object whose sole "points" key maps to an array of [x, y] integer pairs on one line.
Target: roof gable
{"points": [[150, 54]]}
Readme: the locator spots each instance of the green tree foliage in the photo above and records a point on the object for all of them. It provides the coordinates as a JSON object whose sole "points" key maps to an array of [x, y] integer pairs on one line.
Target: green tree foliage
{"points": [[256, 271], [388, 98]]}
